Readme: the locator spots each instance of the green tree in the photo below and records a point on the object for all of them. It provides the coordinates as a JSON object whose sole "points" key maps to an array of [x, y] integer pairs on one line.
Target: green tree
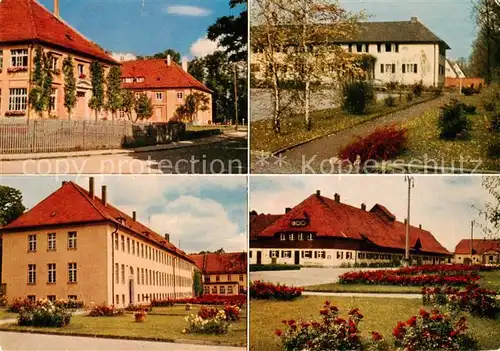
{"points": [[175, 55], [96, 102], [194, 103], [197, 283], [143, 107], [69, 85], [128, 103], [11, 204], [39, 97], [232, 32], [196, 68], [491, 210], [114, 91]]}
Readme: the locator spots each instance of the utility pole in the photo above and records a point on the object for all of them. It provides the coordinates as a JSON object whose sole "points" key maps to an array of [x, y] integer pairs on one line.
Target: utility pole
{"points": [[411, 184], [236, 93]]}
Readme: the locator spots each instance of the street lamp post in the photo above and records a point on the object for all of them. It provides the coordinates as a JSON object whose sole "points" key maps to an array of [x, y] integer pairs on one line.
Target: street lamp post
{"points": [[411, 184]]}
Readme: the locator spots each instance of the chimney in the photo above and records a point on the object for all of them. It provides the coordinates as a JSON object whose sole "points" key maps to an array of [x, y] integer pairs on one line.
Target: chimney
{"points": [[64, 182], [420, 226], [406, 221], [169, 60], [337, 197], [134, 216], [414, 20], [91, 187], [104, 195], [56, 8], [167, 237], [318, 192], [184, 64], [363, 207], [288, 209]]}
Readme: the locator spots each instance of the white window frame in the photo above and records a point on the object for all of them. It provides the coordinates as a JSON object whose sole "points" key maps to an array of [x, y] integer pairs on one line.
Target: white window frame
{"points": [[159, 96], [291, 237], [31, 273], [274, 253], [51, 270], [80, 69], [300, 236], [287, 254], [230, 290], [222, 290], [53, 99], [309, 237], [19, 58], [72, 240], [321, 254], [180, 96], [72, 272], [51, 241], [32, 242], [123, 273], [18, 99], [308, 254], [282, 236]]}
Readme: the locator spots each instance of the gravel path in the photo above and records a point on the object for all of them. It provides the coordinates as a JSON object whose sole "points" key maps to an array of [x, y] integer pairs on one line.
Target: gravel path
{"points": [[317, 153]]}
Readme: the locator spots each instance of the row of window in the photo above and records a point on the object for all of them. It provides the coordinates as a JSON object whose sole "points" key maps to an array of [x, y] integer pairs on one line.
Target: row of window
{"points": [[52, 242], [150, 277], [150, 297], [387, 47], [51, 297], [405, 68], [51, 273], [221, 290], [229, 278], [348, 255], [18, 99], [298, 236], [133, 247], [159, 95]]}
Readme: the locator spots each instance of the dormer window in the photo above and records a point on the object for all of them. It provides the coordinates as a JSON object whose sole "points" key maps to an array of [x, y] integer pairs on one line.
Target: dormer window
{"points": [[291, 237], [283, 237], [298, 223], [300, 236], [310, 237], [139, 79]]}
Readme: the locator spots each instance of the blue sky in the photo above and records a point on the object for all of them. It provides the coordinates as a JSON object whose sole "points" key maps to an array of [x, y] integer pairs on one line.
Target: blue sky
{"points": [[451, 20], [200, 212], [128, 26], [442, 204]]}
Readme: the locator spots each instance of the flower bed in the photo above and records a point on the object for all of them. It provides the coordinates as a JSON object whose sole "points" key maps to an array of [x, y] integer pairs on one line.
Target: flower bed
{"points": [[473, 299], [208, 323], [16, 306], [232, 313], [104, 310], [44, 314], [238, 300], [263, 290], [433, 331], [162, 303]]}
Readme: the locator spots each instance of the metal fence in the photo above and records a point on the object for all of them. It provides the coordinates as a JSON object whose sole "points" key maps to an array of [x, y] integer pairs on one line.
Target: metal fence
{"points": [[21, 136]]}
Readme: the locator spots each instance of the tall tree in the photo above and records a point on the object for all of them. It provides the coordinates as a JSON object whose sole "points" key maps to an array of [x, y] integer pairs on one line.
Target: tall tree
{"points": [[194, 103], [491, 211], [11, 204], [128, 103], [39, 97], [69, 85], [96, 102], [114, 91], [174, 55], [219, 79], [143, 107], [196, 68], [231, 32], [197, 283]]}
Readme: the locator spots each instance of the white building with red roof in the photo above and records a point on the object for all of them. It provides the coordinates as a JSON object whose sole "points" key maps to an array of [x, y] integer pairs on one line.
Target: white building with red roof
{"points": [[167, 84], [75, 245], [478, 251], [26, 25], [326, 232]]}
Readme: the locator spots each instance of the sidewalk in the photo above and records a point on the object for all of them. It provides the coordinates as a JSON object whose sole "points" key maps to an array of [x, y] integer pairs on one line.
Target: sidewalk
{"points": [[392, 296], [176, 145]]}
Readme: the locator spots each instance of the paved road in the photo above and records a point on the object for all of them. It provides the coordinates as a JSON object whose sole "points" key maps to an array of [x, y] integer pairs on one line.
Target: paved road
{"points": [[28, 342], [317, 154], [226, 157]]}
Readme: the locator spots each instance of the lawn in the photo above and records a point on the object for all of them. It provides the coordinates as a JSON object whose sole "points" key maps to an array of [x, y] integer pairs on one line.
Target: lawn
{"points": [[165, 326], [4, 314], [491, 280], [423, 139], [364, 288], [381, 314], [324, 122]]}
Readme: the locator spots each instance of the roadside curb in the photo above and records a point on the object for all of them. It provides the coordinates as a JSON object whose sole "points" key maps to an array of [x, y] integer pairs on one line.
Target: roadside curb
{"points": [[288, 148]]}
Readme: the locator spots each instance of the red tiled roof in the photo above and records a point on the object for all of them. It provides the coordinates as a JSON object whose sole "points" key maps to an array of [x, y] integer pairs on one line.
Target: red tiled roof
{"points": [[260, 222], [479, 247], [71, 204], [213, 263], [329, 218], [158, 74], [28, 21]]}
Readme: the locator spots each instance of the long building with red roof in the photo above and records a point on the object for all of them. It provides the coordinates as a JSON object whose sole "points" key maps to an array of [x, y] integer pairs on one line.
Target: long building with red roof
{"points": [[324, 231], [74, 244], [478, 251], [222, 273], [167, 84], [26, 25]]}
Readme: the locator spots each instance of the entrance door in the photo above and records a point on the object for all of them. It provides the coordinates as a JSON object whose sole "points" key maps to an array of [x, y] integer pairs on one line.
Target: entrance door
{"points": [[259, 257], [297, 257], [131, 291]]}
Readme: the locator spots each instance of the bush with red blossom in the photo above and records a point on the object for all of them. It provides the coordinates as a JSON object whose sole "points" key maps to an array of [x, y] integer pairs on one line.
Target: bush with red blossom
{"points": [[330, 332], [232, 313], [238, 300], [266, 291], [208, 312], [433, 331]]}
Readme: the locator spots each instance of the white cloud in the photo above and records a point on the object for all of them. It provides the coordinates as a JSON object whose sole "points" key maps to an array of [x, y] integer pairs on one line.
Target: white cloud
{"points": [[203, 47], [123, 56], [187, 10]]}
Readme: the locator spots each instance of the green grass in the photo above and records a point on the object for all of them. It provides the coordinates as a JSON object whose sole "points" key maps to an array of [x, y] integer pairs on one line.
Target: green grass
{"points": [[167, 326], [381, 314], [324, 122], [180, 310], [423, 139], [491, 280], [364, 288], [4, 314]]}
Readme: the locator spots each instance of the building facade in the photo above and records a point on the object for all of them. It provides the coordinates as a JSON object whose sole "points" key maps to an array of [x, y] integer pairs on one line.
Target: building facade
{"points": [[477, 251], [406, 52], [453, 70], [167, 84], [325, 232], [222, 273], [27, 25], [76, 245]]}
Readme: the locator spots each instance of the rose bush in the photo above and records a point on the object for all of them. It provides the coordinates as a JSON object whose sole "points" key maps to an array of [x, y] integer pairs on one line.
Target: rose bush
{"points": [[43, 313], [163, 303], [232, 313], [104, 310], [263, 290], [217, 324], [238, 300]]}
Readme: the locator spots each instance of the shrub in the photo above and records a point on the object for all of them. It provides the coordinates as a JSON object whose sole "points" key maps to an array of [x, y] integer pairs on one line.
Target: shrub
{"points": [[208, 312], [3, 301], [267, 291], [163, 303], [358, 97], [104, 310], [390, 101], [409, 97], [469, 109], [238, 300], [490, 98], [469, 91], [392, 85], [69, 304], [212, 325], [232, 313], [16, 306], [43, 314], [331, 332], [433, 331], [494, 150], [382, 144], [417, 88], [138, 308], [453, 121]]}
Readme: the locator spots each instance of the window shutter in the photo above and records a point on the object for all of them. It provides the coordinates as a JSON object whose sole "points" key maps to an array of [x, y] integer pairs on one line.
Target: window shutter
{"points": [[393, 68], [382, 68], [404, 68]]}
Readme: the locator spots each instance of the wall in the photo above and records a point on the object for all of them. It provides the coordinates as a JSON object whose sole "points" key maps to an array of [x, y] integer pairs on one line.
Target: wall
{"points": [[236, 280], [464, 82]]}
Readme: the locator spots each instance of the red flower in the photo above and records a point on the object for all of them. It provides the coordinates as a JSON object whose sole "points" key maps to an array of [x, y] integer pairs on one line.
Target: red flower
{"points": [[278, 332], [424, 314], [327, 303], [376, 336], [323, 312], [453, 333], [291, 322], [412, 321]]}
